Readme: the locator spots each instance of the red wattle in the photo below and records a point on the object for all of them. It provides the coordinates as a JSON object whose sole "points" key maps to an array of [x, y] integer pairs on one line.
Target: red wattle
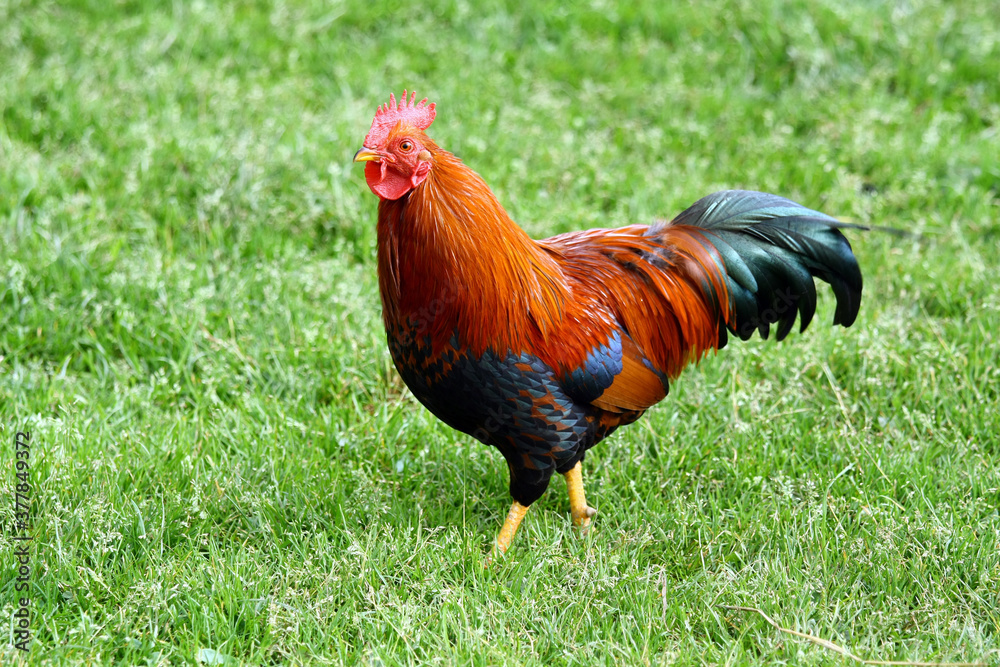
{"points": [[386, 183]]}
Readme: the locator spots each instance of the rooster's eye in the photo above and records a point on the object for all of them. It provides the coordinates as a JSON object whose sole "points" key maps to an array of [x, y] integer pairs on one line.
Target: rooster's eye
{"points": [[406, 146]]}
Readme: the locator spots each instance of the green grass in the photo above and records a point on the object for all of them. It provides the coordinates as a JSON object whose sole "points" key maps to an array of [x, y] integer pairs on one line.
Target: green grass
{"points": [[225, 459]]}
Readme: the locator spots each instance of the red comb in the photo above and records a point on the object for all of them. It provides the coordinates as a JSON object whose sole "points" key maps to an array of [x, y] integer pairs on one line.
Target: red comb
{"points": [[419, 115]]}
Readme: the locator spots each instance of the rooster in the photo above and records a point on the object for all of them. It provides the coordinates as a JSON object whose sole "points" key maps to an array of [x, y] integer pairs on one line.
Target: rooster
{"points": [[543, 348]]}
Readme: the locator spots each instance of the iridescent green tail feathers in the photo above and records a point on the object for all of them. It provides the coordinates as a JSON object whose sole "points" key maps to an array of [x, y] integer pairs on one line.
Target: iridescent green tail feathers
{"points": [[772, 249]]}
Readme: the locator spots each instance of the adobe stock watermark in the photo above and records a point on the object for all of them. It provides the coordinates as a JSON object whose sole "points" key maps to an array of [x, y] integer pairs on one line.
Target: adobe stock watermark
{"points": [[21, 620]]}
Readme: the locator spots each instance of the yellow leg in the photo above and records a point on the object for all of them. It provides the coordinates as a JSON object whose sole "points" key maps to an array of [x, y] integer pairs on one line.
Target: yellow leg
{"points": [[514, 518], [577, 498]]}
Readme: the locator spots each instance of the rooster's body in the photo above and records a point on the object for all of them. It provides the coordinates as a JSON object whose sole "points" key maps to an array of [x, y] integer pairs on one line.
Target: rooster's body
{"points": [[543, 348]]}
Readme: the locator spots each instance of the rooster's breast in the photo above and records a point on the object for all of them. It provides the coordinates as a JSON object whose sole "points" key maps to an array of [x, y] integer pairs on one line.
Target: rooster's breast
{"points": [[511, 401]]}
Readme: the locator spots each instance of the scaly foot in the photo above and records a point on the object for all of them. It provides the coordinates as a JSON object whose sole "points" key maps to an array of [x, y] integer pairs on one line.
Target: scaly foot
{"points": [[581, 512], [507, 532]]}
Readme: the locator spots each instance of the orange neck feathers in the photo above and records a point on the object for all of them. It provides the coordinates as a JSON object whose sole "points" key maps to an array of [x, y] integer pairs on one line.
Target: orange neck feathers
{"points": [[451, 259]]}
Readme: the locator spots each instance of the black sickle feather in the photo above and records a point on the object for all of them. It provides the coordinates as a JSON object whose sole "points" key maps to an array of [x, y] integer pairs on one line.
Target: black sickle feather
{"points": [[771, 249]]}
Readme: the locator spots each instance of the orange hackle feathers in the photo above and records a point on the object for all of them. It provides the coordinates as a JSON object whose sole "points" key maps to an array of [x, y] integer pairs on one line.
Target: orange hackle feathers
{"points": [[479, 272]]}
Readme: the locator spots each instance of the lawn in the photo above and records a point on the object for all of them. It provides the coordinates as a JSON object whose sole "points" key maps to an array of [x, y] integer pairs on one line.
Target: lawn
{"points": [[225, 467]]}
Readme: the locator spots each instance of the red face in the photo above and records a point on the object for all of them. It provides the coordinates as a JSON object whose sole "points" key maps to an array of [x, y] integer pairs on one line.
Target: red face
{"points": [[396, 167]]}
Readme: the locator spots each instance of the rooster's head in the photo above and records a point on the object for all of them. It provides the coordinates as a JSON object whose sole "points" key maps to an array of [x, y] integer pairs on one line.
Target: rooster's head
{"points": [[396, 148]]}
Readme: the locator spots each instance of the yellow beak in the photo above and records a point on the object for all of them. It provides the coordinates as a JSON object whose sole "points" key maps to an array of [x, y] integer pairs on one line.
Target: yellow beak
{"points": [[367, 155]]}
